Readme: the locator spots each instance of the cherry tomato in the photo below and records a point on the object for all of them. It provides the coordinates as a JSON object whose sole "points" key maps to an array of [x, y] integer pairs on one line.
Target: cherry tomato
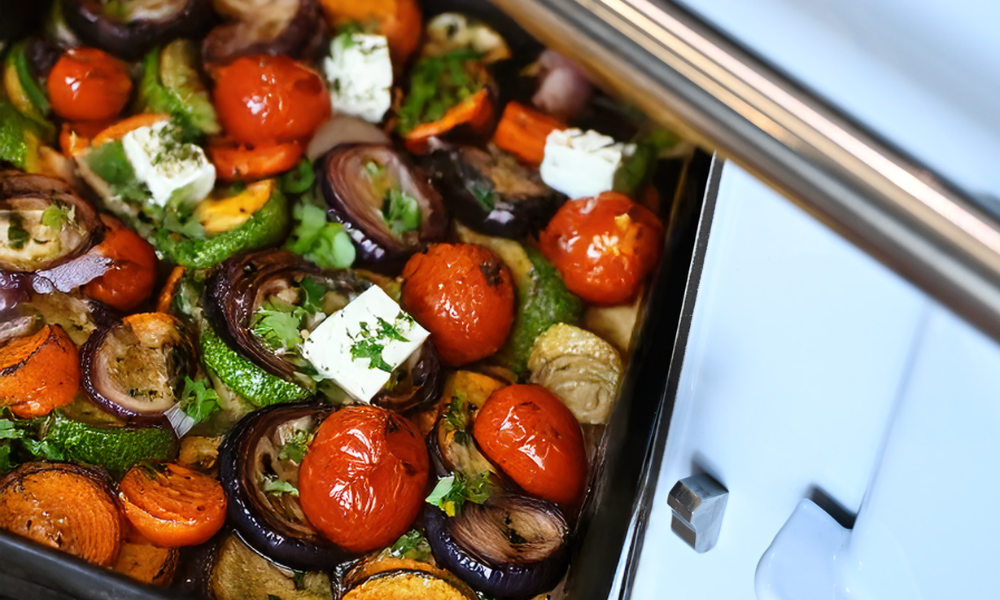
{"points": [[130, 280], [87, 84], [268, 99], [463, 295], [236, 162], [362, 481], [603, 247], [535, 439]]}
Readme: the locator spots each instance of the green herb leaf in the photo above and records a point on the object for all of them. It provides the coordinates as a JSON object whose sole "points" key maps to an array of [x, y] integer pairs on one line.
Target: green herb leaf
{"points": [[44, 449], [412, 545], [452, 492], [372, 350], [278, 325], [10, 431], [638, 169], [457, 419], [438, 83], [299, 179], [485, 196], [6, 463], [320, 242], [400, 211], [273, 485], [312, 295], [296, 447], [17, 235], [108, 161], [54, 216], [198, 400]]}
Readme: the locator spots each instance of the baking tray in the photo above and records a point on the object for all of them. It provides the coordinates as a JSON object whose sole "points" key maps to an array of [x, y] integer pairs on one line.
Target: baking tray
{"points": [[611, 523]]}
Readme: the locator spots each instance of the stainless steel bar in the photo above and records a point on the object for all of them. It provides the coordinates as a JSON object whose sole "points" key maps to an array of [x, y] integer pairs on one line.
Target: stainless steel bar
{"points": [[686, 75]]}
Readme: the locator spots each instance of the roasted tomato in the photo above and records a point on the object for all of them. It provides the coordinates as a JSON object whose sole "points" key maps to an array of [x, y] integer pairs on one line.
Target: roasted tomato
{"points": [[603, 246], [535, 439], [268, 99], [130, 280], [362, 481], [463, 295], [87, 84], [400, 21]]}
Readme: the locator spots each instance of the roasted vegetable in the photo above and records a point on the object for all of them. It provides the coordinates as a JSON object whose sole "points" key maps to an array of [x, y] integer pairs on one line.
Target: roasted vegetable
{"points": [[509, 547], [407, 584], [239, 572], [39, 372], [244, 377], [580, 368], [20, 138], [171, 84], [147, 563], [291, 27], [492, 193], [130, 29], [415, 383], [117, 449], [386, 205], [22, 86], [450, 32], [136, 368], [65, 507], [259, 468], [452, 446], [88, 84]]}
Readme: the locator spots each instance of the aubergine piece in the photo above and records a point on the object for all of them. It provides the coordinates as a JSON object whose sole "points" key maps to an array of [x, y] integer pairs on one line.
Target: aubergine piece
{"points": [[135, 368], [386, 204], [414, 384], [239, 572], [14, 289], [41, 55], [291, 27], [242, 284], [266, 448], [511, 546], [493, 193], [43, 224], [133, 28]]}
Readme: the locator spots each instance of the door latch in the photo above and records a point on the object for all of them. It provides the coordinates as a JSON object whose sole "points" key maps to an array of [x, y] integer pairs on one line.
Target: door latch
{"points": [[698, 503]]}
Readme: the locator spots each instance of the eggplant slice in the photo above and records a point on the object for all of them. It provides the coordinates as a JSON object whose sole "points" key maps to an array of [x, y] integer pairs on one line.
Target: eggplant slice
{"points": [[414, 384], [291, 27], [360, 183], [131, 28], [511, 546], [491, 192], [239, 572], [43, 223], [239, 286], [268, 445], [135, 369]]}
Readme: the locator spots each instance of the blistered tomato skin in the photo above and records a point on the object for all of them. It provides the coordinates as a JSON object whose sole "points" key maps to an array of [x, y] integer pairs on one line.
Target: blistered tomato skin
{"points": [[603, 247], [362, 481], [132, 276], [535, 439], [268, 99], [463, 295], [87, 84]]}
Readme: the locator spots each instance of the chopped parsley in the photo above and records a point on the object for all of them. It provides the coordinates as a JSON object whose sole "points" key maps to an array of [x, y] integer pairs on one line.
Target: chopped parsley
{"points": [[484, 195], [457, 418], [20, 442], [411, 545], [198, 400], [370, 344], [452, 492], [54, 216], [108, 161], [273, 485], [400, 211], [17, 235], [312, 295], [437, 83], [320, 242], [300, 179], [278, 324], [296, 446]]}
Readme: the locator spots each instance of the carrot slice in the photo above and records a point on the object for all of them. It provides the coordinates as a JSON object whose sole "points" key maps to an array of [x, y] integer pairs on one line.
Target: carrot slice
{"points": [[130, 280], [400, 21], [166, 299], [171, 505], [75, 137], [522, 132], [234, 162], [39, 372], [62, 506], [476, 112], [119, 129]]}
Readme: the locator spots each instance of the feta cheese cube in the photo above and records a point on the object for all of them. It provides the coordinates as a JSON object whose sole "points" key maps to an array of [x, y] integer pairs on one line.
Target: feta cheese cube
{"points": [[359, 71], [582, 164], [359, 346], [169, 168]]}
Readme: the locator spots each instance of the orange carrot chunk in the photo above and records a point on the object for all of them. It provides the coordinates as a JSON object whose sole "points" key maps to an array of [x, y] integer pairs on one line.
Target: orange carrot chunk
{"points": [[236, 162], [171, 505], [39, 372], [62, 506], [522, 132], [166, 298], [119, 129]]}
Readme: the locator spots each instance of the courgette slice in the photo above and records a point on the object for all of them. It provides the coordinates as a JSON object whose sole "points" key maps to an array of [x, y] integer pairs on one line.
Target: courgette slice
{"points": [[172, 84], [245, 378], [266, 226], [117, 449], [22, 89]]}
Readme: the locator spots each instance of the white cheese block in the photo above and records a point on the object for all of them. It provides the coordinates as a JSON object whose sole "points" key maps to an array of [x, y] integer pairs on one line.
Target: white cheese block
{"points": [[168, 167], [334, 346], [582, 164], [359, 71]]}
